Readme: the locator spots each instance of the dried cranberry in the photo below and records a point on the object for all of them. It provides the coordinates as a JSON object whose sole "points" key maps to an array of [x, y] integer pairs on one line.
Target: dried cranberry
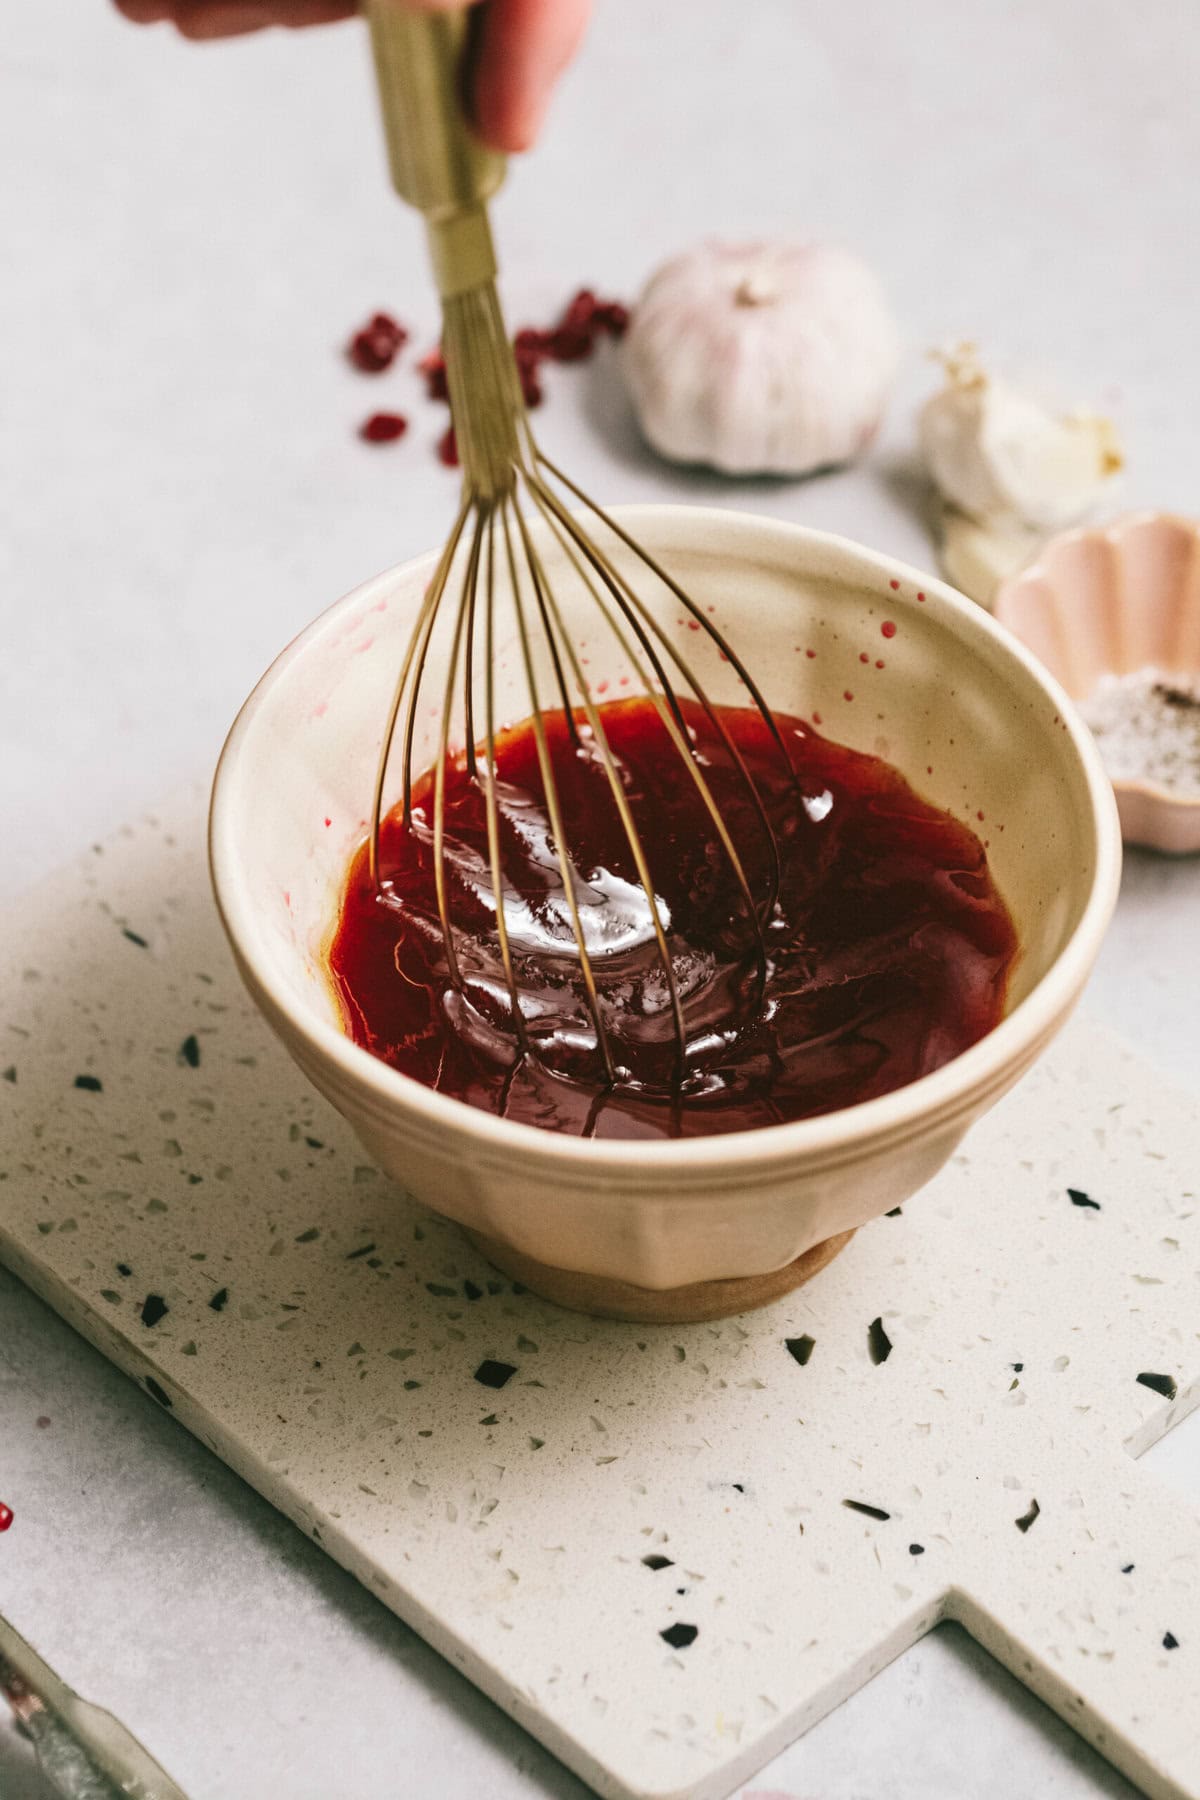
{"points": [[368, 353], [383, 428], [384, 322], [374, 347], [572, 339], [613, 318], [530, 342], [433, 368], [571, 343], [584, 319], [528, 352], [581, 311]]}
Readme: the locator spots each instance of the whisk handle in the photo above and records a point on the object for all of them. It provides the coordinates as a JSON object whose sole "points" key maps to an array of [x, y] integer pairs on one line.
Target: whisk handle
{"points": [[437, 164]]}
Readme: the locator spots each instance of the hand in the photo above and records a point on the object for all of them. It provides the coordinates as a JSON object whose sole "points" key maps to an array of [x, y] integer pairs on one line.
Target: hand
{"points": [[524, 47]]}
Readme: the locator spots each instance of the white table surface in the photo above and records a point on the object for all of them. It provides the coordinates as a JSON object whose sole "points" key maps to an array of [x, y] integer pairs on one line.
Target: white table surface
{"points": [[186, 236]]}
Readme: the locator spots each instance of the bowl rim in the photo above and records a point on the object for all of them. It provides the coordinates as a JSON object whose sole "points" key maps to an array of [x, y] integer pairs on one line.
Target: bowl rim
{"points": [[1169, 799], [904, 1110]]}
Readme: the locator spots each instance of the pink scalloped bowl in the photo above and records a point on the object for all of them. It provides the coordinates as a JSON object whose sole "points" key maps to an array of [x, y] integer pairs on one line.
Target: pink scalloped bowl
{"points": [[1109, 599]]}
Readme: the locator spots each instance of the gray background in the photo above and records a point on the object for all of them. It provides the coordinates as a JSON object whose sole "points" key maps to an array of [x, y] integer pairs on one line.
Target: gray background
{"points": [[187, 234]]}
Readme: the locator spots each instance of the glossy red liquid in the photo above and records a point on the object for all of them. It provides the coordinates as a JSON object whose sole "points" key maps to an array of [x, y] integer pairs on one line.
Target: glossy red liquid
{"points": [[888, 953]]}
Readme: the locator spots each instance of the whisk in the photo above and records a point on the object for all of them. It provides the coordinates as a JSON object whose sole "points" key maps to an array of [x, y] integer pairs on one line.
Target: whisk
{"points": [[512, 497]]}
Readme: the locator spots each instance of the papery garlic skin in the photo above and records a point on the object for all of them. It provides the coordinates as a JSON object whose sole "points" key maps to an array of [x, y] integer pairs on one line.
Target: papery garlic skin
{"points": [[761, 359], [996, 454]]}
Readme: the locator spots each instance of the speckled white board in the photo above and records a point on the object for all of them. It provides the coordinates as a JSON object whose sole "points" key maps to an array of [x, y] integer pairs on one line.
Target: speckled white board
{"points": [[624, 1486]]}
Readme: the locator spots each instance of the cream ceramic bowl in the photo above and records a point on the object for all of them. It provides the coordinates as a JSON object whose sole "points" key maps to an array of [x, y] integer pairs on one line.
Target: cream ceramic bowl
{"points": [[704, 1226], [1109, 599]]}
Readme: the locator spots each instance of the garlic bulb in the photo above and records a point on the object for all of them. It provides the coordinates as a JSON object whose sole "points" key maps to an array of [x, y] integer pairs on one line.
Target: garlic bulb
{"points": [[761, 359], [997, 454]]}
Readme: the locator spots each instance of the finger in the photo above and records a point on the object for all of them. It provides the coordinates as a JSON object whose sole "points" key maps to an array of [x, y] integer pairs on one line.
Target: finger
{"points": [[219, 18], [231, 18], [524, 46], [200, 18], [145, 12], [312, 12]]}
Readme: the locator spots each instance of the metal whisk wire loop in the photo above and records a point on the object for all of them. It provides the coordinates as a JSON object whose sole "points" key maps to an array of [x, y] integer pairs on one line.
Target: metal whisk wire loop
{"points": [[512, 524], [509, 518]]}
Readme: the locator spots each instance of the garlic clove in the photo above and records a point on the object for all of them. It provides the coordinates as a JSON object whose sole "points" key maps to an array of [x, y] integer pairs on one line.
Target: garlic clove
{"points": [[975, 558], [993, 450], [770, 358]]}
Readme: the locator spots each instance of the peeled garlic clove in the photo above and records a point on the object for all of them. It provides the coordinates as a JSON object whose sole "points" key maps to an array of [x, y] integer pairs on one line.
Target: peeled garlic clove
{"points": [[756, 359], [993, 450], [975, 558]]}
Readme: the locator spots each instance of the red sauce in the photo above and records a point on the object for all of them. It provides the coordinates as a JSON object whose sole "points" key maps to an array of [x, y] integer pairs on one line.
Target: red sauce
{"points": [[888, 953]]}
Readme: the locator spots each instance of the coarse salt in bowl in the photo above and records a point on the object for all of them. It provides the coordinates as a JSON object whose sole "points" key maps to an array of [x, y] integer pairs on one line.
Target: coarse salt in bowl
{"points": [[1113, 611]]}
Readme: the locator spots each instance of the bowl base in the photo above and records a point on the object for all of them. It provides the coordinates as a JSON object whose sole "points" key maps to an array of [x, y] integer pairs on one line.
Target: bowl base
{"points": [[606, 1298]]}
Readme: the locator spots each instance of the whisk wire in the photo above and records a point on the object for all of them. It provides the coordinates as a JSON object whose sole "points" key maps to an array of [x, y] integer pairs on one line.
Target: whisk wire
{"points": [[666, 702], [555, 626], [441, 581], [472, 580], [684, 598], [629, 598], [491, 802], [554, 813], [443, 755], [429, 606], [441, 168], [539, 585], [502, 463]]}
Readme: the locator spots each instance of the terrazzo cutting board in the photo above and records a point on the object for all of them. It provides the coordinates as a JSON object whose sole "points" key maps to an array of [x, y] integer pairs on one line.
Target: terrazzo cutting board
{"points": [[666, 1551]]}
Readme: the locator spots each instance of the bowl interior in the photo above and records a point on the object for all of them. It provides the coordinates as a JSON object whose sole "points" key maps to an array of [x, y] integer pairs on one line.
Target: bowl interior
{"points": [[944, 696]]}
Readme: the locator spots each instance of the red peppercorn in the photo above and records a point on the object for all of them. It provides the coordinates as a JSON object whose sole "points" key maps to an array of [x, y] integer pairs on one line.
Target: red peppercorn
{"points": [[448, 448], [383, 428], [6, 1516]]}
